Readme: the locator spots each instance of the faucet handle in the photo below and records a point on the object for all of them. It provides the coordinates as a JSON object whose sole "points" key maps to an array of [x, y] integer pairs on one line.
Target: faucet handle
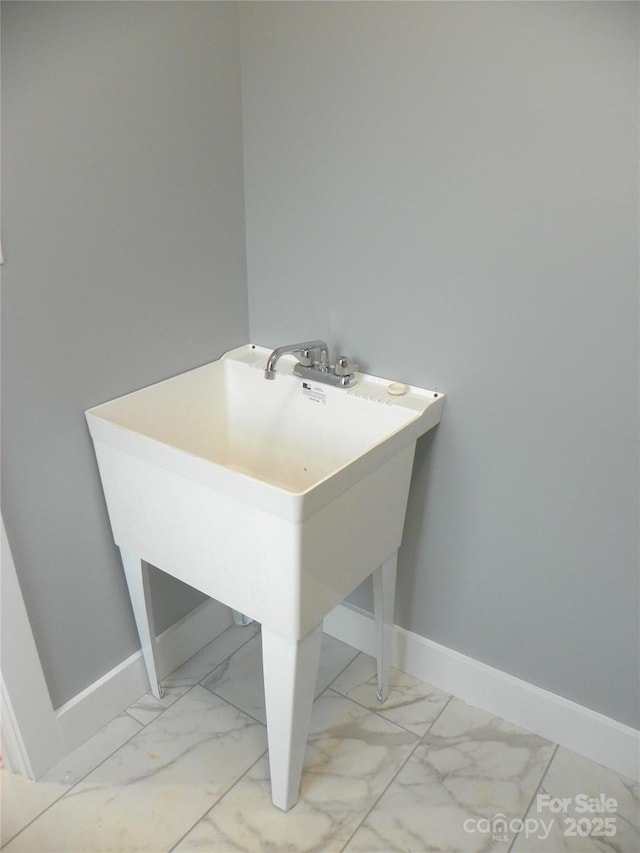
{"points": [[306, 357], [322, 362], [344, 366]]}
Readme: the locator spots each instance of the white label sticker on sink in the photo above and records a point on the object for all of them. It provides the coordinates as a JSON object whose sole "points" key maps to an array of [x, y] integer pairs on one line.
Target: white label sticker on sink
{"points": [[313, 393]]}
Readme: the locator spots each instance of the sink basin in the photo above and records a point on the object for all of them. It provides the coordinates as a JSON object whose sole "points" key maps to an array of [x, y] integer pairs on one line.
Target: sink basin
{"points": [[294, 466], [287, 446], [277, 498]]}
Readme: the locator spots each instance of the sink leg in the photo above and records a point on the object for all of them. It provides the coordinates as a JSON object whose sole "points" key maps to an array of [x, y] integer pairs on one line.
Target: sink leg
{"points": [[137, 574], [384, 594], [290, 674]]}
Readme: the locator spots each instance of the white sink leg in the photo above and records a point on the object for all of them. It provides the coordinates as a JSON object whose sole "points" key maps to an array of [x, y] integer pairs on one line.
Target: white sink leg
{"points": [[290, 674], [137, 574], [384, 595]]}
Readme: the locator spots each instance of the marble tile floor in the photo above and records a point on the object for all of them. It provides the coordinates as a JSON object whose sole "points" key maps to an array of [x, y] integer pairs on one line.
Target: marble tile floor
{"points": [[421, 772]]}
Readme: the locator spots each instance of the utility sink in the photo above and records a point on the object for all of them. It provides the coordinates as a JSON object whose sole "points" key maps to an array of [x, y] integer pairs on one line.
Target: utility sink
{"points": [[276, 498]]}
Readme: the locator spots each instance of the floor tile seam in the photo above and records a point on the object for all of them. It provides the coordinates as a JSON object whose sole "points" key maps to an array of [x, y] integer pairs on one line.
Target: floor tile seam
{"points": [[262, 723], [233, 705], [617, 816], [81, 778], [248, 640], [124, 743], [419, 742], [224, 660], [535, 793], [376, 712], [437, 717], [142, 726], [222, 796], [219, 696], [130, 715], [629, 822], [382, 793], [344, 668], [158, 715], [240, 778], [167, 677]]}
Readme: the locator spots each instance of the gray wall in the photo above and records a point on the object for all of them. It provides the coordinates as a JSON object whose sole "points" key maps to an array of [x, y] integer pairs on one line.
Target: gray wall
{"points": [[449, 192], [123, 237]]}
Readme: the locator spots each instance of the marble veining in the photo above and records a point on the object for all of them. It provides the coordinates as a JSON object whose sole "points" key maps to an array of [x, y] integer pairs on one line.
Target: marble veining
{"points": [[239, 678], [468, 766], [148, 707], [211, 656], [420, 772], [411, 703], [570, 784], [22, 801], [163, 780], [352, 755]]}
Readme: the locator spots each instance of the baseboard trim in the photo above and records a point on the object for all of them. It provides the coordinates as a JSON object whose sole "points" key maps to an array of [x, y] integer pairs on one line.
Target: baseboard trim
{"points": [[593, 735], [95, 706], [597, 737]]}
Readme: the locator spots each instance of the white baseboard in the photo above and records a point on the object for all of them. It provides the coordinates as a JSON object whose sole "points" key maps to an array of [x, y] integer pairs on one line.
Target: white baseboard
{"points": [[561, 721], [85, 714], [580, 729]]}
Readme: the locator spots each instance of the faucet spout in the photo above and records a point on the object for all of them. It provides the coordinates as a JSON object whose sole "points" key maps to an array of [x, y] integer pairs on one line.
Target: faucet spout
{"points": [[305, 352]]}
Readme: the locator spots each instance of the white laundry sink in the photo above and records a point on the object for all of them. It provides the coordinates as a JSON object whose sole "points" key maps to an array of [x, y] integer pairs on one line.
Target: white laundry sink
{"points": [[277, 498]]}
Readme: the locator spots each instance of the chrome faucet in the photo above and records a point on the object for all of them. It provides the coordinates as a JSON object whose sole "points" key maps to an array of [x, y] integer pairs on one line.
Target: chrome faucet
{"points": [[313, 363], [304, 351]]}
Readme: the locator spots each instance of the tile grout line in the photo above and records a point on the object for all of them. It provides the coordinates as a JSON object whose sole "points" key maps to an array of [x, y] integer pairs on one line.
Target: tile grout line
{"points": [[226, 701], [248, 713], [84, 776], [535, 793], [141, 728], [220, 798], [142, 725], [395, 775], [228, 658], [348, 664], [260, 757], [232, 705], [380, 714]]}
